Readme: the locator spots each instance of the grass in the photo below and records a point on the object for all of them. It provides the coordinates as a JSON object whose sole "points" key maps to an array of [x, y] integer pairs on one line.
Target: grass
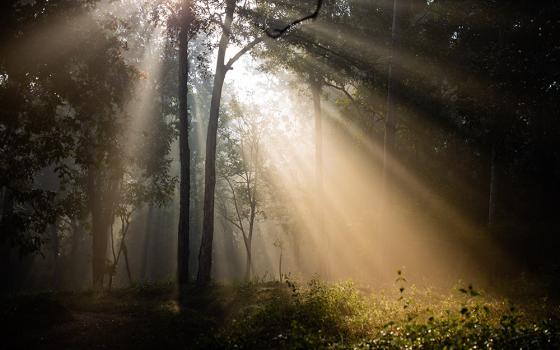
{"points": [[312, 315]]}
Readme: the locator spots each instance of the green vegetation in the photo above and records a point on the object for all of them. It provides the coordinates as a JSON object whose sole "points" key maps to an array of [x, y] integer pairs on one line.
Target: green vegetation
{"points": [[280, 316]]}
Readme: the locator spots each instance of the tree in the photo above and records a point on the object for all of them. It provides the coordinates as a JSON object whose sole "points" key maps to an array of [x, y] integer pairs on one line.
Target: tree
{"points": [[390, 118], [28, 143], [79, 128], [140, 186], [183, 247], [205, 256], [279, 243], [240, 162]]}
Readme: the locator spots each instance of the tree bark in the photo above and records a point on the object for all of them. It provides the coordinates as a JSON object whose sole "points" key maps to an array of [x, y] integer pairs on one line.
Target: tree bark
{"points": [[184, 153], [205, 255]]}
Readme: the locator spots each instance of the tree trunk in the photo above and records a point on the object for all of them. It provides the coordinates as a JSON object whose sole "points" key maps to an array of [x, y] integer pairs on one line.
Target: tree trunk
{"points": [[56, 260], [249, 242], [127, 265], [280, 265], [493, 183], [74, 249], [391, 117], [184, 154], [316, 92], [320, 213], [147, 244], [6, 269], [101, 201], [205, 255], [248, 263], [100, 231]]}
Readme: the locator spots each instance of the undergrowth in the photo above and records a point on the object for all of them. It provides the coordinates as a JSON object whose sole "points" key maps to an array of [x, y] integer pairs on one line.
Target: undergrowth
{"points": [[317, 315], [292, 315]]}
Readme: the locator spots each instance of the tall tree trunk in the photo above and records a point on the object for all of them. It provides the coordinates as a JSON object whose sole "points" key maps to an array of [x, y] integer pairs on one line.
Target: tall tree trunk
{"points": [[319, 195], [102, 192], [184, 153], [147, 244], [496, 138], [391, 117], [249, 243], [74, 249], [205, 255], [280, 264], [316, 92], [248, 262], [127, 264], [6, 269], [56, 260], [100, 231], [493, 184]]}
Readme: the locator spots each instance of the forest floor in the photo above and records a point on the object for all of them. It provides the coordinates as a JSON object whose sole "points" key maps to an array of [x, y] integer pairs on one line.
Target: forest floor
{"points": [[277, 316]]}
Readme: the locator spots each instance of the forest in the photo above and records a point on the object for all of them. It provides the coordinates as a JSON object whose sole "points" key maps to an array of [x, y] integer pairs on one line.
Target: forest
{"points": [[279, 174]]}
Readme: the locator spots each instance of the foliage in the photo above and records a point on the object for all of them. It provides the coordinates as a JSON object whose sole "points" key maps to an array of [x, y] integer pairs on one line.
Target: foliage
{"points": [[58, 101], [65, 85], [340, 316], [315, 315], [240, 160]]}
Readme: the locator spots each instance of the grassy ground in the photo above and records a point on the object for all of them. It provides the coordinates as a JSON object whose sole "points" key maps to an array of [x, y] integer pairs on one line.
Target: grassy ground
{"points": [[277, 316]]}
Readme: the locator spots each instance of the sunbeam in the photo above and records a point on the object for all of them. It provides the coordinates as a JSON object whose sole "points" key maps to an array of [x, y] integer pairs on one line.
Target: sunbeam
{"points": [[280, 174]]}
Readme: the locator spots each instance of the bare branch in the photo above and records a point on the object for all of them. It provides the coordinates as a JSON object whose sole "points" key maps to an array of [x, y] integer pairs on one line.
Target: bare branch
{"points": [[276, 33]]}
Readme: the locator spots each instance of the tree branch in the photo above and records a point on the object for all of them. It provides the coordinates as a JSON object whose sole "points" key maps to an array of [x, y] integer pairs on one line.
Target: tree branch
{"points": [[276, 33], [243, 51], [342, 89], [236, 209], [218, 22], [230, 220], [347, 94]]}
